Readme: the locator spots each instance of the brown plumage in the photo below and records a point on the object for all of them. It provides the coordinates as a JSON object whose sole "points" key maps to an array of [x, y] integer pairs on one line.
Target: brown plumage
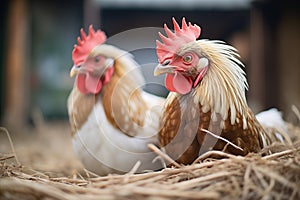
{"points": [[206, 108], [183, 136]]}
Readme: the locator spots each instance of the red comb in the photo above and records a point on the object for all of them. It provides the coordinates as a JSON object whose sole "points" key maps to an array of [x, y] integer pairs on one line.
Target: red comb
{"points": [[86, 44], [175, 40]]}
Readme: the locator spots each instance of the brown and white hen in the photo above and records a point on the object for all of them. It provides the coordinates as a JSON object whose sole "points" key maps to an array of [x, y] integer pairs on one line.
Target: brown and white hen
{"points": [[207, 107], [112, 119]]}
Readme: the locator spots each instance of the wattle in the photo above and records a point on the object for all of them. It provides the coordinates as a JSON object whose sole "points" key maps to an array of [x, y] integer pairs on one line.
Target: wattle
{"points": [[88, 84], [178, 83]]}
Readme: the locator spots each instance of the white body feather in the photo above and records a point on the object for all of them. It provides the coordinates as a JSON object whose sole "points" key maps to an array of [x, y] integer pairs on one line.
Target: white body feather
{"points": [[272, 119], [104, 149]]}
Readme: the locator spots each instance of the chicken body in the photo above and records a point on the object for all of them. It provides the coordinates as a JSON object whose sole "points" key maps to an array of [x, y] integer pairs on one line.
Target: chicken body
{"points": [[112, 119], [206, 108]]}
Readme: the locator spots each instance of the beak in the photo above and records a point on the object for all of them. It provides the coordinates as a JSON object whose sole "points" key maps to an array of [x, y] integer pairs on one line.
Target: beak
{"points": [[161, 69], [75, 70]]}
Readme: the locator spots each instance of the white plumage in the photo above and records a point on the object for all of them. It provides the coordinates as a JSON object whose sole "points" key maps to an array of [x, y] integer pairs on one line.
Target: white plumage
{"points": [[104, 149]]}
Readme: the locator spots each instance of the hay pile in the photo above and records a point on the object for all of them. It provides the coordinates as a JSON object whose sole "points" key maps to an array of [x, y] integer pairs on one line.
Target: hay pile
{"points": [[276, 176]]}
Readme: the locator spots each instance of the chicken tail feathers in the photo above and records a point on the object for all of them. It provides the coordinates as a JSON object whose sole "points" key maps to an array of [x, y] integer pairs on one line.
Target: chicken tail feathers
{"points": [[274, 125]]}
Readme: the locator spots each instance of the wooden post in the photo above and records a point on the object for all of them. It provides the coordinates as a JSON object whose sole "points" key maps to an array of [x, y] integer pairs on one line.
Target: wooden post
{"points": [[15, 99], [91, 14], [257, 61], [289, 61]]}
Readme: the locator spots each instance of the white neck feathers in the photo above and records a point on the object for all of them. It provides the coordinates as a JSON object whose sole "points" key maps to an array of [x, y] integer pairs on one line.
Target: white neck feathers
{"points": [[223, 87]]}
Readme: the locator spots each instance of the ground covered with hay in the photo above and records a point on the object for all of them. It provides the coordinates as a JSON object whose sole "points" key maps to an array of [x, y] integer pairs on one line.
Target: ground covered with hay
{"points": [[40, 164]]}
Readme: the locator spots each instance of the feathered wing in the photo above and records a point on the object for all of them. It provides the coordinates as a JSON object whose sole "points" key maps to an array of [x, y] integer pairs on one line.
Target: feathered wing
{"points": [[127, 106], [187, 131]]}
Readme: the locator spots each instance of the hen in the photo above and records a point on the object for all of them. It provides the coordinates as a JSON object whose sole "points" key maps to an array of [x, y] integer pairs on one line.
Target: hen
{"points": [[206, 108], [112, 119]]}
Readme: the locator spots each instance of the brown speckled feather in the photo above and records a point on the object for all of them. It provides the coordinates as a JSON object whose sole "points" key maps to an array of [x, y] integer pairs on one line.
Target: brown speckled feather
{"points": [[248, 139], [183, 138], [179, 125]]}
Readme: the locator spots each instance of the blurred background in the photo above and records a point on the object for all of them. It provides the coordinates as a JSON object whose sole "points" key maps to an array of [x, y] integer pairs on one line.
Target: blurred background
{"points": [[37, 38]]}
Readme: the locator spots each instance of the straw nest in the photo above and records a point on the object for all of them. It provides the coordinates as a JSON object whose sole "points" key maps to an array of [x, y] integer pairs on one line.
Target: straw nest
{"points": [[275, 176]]}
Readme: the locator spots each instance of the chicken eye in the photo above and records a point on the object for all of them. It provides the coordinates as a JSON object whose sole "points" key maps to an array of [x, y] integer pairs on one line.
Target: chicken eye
{"points": [[188, 58], [97, 59]]}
